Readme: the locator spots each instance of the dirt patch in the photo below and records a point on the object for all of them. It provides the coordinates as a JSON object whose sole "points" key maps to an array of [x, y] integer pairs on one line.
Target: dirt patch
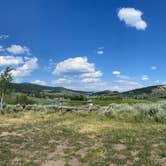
{"points": [[59, 151], [129, 163], [134, 153], [5, 134], [82, 152], [112, 164], [120, 156], [119, 147], [15, 161], [157, 145], [136, 158], [162, 161], [53, 163], [74, 162], [51, 141]]}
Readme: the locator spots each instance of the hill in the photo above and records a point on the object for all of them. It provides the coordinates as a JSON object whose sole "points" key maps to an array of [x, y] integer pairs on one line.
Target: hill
{"points": [[158, 91], [105, 93], [34, 88]]}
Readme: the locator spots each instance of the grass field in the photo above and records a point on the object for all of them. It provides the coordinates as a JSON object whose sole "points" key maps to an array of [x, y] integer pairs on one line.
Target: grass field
{"points": [[79, 139]]}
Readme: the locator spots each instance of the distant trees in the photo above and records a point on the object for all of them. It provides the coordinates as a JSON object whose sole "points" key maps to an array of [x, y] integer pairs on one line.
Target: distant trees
{"points": [[5, 86], [78, 97], [23, 100]]}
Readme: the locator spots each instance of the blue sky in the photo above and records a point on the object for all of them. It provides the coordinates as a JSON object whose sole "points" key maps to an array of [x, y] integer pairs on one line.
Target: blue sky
{"points": [[85, 44]]}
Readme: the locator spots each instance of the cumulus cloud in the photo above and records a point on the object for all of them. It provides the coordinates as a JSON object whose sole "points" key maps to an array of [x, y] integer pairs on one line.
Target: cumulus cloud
{"points": [[39, 82], [119, 75], [127, 82], [116, 72], [89, 86], [73, 66], [124, 77], [77, 70], [90, 80], [92, 77], [123, 88], [125, 85], [132, 17], [18, 49], [62, 81], [10, 60], [145, 78], [95, 74], [29, 65]]}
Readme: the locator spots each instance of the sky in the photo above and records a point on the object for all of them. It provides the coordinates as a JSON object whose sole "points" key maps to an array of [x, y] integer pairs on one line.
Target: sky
{"points": [[89, 45]]}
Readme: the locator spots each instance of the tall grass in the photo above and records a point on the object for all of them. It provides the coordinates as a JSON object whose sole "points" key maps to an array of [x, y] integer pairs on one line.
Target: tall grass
{"points": [[138, 112], [141, 112]]}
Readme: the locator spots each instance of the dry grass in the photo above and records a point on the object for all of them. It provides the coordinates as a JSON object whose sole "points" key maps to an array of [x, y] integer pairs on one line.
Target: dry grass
{"points": [[42, 138]]}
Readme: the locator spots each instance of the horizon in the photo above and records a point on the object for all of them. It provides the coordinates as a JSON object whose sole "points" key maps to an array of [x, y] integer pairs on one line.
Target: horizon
{"points": [[87, 45], [86, 91]]}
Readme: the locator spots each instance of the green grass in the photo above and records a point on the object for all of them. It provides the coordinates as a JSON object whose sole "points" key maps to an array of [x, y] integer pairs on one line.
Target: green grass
{"points": [[79, 138], [104, 101]]}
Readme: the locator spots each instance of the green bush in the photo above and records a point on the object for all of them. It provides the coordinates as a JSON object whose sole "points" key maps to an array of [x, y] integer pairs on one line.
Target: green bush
{"points": [[140, 112]]}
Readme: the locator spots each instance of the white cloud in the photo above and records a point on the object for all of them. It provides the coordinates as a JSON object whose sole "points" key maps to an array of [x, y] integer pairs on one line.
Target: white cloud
{"points": [[116, 72], [62, 81], [119, 75], [77, 71], [90, 80], [74, 66], [10, 60], [100, 52], [127, 82], [95, 74], [132, 17], [123, 77], [154, 68], [89, 86], [18, 49], [100, 86], [4, 36], [124, 87], [39, 82], [29, 65], [1, 48], [18, 79], [145, 78]]}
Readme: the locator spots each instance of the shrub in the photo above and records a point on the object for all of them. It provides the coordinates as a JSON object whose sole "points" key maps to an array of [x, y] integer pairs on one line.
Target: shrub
{"points": [[114, 109], [140, 112]]}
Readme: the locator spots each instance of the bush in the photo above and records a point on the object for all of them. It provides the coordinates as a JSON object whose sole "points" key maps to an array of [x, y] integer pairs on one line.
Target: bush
{"points": [[23, 100], [140, 112], [114, 109]]}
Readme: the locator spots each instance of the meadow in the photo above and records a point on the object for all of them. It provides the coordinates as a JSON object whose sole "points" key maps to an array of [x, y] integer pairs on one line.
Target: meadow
{"points": [[110, 136]]}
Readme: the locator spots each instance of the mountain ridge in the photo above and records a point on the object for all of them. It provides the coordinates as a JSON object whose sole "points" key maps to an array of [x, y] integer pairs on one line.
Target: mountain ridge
{"points": [[158, 90]]}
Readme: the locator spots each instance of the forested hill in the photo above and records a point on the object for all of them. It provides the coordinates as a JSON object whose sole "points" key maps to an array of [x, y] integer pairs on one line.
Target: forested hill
{"points": [[152, 91], [34, 88], [157, 91]]}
